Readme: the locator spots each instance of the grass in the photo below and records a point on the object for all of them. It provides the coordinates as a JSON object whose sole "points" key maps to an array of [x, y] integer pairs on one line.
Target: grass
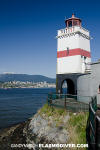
{"points": [[51, 111], [76, 124]]}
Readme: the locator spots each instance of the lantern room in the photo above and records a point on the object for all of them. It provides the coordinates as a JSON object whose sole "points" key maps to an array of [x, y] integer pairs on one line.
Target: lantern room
{"points": [[73, 21]]}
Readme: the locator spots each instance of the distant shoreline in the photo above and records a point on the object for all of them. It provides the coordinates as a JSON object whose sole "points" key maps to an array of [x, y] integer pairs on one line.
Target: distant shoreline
{"points": [[29, 88]]}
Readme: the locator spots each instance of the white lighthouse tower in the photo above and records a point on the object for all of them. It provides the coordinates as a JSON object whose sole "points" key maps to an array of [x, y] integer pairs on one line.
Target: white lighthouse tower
{"points": [[73, 47], [73, 54]]}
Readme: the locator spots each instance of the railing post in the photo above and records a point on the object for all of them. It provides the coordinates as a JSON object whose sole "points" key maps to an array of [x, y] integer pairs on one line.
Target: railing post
{"points": [[65, 102], [96, 146], [97, 133], [51, 99]]}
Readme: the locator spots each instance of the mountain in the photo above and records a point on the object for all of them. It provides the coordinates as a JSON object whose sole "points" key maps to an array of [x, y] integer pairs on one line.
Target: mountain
{"points": [[25, 77]]}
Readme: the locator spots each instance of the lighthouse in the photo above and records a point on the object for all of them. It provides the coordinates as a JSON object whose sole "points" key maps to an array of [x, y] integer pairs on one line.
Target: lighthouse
{"points": [[73, 47], [73, 52]]}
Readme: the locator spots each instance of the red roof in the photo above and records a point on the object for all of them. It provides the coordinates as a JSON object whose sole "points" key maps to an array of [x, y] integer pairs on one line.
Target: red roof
{"points": [[73, 18]]}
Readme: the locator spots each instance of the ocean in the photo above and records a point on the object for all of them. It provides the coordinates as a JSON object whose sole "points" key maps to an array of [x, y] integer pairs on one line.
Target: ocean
{"points": [[17, 105]]}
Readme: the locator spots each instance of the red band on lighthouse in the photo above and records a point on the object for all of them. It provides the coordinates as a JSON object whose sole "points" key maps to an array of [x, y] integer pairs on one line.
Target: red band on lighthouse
{"points": [[73, 52]]}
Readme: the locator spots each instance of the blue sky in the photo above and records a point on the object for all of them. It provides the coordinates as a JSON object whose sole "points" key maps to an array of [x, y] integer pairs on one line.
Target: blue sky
{"points": [[28, 29]]}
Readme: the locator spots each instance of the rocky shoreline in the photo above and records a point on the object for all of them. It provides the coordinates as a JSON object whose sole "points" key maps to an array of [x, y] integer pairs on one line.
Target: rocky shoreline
{"points": [[13, 135], [47, 126], [36, 130]]}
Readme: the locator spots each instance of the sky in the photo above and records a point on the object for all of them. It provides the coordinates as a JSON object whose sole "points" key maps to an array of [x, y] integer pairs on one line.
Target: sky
{"points": [[28, 31]]}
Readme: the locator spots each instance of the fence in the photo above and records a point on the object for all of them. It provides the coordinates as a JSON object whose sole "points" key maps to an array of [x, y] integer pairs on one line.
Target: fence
{"points": [[67, 101], [93, 126]]}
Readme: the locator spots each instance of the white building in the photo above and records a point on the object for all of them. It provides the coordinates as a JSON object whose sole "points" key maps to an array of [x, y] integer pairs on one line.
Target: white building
{"points": [[73, 48]]}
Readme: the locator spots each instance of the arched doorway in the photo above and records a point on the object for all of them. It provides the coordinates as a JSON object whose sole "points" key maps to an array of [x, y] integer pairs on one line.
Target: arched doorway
{"points": [[68, 87]]}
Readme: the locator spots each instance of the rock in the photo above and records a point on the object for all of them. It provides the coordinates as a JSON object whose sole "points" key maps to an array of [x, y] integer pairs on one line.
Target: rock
{"points": [[37, 130], [45, 131], [66, 118]]}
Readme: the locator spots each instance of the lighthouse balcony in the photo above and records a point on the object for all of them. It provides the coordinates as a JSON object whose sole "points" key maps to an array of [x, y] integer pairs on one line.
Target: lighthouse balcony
{"points": [[73, 29]]}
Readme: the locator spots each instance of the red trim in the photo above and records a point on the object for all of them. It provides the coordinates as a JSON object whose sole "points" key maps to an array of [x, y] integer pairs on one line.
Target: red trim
{"points": [[73, 52]]}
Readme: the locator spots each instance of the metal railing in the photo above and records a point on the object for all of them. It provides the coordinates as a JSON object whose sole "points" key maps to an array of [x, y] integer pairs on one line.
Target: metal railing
{"points": [[93, 126], [67, 101]]}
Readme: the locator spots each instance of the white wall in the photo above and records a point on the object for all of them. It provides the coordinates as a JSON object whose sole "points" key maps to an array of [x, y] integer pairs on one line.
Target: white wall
{"points": [[70, 65], [72, 39], [84, 43]]}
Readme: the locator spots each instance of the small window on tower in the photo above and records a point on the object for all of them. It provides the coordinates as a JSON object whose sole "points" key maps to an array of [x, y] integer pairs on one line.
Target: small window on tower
{"points": [[75, 23], [70, 24], [67, 50], [84, 58], [99, 90]]}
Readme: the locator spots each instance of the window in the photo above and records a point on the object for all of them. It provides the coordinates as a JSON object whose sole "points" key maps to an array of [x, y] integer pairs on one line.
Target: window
{"points": [[67, 50], [99, 89], [70, 24], [75, 23]]}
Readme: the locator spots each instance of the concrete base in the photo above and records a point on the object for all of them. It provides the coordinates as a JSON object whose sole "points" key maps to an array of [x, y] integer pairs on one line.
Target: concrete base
{"points": [[71, 80]]}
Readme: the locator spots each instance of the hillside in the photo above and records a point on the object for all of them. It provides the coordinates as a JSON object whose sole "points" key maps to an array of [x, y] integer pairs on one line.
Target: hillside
{"points": [[25, 77]]}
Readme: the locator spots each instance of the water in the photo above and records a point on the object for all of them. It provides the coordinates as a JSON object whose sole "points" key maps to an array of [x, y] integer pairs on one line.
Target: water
{"points": [[17, 105]]}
